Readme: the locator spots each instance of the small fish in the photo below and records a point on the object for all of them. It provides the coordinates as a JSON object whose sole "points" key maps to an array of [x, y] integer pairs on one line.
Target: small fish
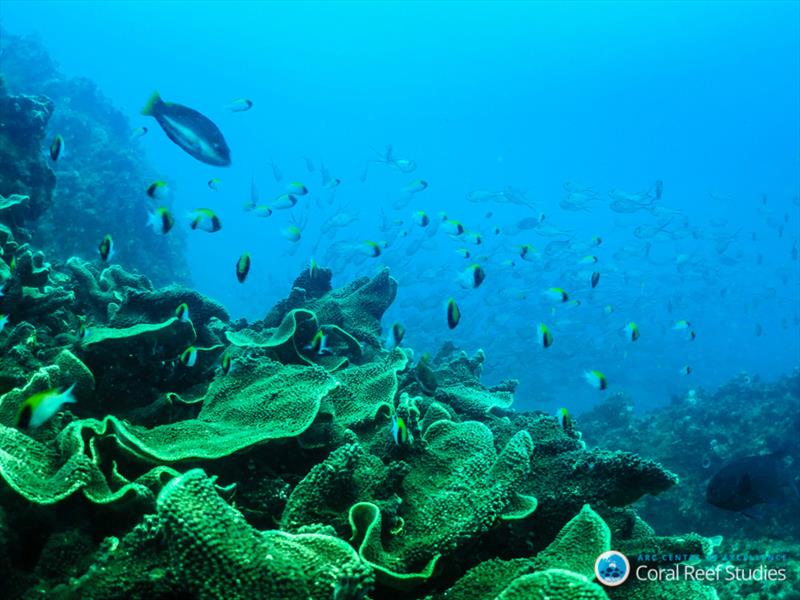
{"points": [[214, 183], [692, 335], [421, 218], [284, 201], [473, 238], [463, 252], [681, 325], [206, 220], [226, 362], [544, 337], [527, 252], [56, 148], [318, 344], [139, 132], [686, 370], [425, 376], [452, 227], [296, 189], [564, 419], [404, 165], [597, 240], [161, 220], [3, 322], [658, 188], [158, 190], [276, 172], [508, 263], [415, 186], [254, 195], [83, 332], [472, 277], [453, 314], [313, 269], [608, 309], [106, 248], [631, 331], [291, 233], [240, 105], [556, 294], [596, 379], [400, 433], [483, 196], [243, 267], [182, 312], [396, 333], [189, 357], [595, 279], [371, 248], [193, 132], [39, 408], [262, 211], [588, 260], [332, 183]]}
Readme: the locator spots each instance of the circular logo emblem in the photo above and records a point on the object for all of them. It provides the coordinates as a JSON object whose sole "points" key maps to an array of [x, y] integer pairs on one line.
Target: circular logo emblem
{"points": [[612, 568]]}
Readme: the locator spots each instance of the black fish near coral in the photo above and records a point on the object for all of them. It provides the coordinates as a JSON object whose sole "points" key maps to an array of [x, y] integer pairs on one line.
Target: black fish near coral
{"points": [[56, 148], [453, 314], [749, 481], [205, 219], [243, 267], [106, 248], [161, 220], [195, 133]]}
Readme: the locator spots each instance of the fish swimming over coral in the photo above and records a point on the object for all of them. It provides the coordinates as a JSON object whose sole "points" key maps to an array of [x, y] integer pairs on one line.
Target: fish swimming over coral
{"points": [[40, 408]]}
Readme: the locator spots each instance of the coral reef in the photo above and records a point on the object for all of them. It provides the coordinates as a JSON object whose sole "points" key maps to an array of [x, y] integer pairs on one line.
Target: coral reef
{"points": [[25, 172], [328, 502]]}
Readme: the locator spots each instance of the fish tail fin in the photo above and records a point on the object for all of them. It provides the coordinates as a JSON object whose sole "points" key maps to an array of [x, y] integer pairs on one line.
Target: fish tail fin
{"points": [[68, 396], [148, 108]]}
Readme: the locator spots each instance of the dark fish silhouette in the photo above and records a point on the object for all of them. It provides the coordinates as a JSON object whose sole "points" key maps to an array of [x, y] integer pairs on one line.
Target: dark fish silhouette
{"points": [[194, 133], [746, 482]]}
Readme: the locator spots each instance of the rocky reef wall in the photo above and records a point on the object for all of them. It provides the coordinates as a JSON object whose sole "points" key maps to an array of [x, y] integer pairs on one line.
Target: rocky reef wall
{"points": [[96, 187]]}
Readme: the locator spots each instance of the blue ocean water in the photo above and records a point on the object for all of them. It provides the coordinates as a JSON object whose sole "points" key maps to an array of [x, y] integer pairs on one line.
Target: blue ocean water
{"points": [[528, 99]]}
